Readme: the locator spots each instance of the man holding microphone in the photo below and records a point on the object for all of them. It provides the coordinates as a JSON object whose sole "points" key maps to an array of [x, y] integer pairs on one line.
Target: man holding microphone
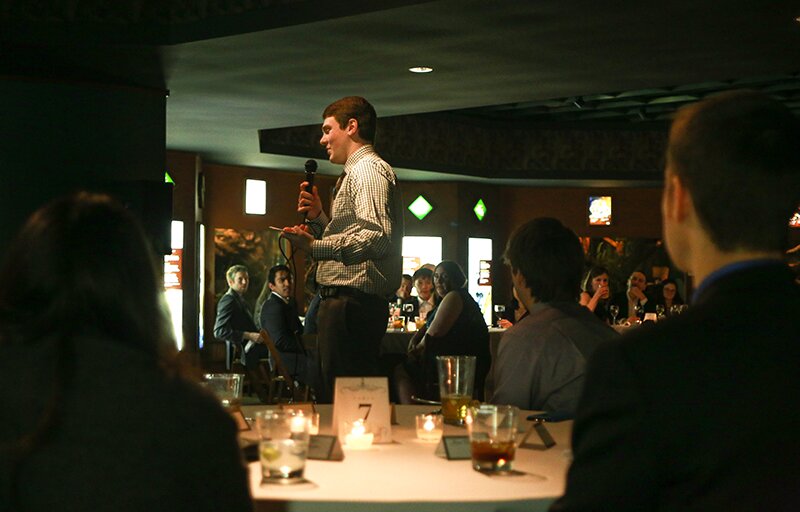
{"points": [[358, 248]]}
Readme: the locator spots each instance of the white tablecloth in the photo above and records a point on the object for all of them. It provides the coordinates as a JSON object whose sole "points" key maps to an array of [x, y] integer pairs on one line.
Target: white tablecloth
{"points": [[406, 475]]}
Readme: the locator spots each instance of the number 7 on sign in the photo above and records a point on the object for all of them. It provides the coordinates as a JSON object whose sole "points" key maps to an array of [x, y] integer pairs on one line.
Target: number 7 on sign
{"points": [[368, 407]]}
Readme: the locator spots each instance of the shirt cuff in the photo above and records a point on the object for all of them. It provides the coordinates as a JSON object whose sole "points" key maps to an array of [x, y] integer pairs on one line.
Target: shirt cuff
{"points": [[248, 346], [323, 250]]}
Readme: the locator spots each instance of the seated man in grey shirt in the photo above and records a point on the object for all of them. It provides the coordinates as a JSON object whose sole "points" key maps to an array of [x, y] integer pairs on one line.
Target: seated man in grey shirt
{"points": [[541, 360]]}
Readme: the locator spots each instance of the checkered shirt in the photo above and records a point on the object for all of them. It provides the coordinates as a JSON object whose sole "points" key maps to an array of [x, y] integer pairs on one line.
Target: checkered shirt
{"points": [[361, 243]]}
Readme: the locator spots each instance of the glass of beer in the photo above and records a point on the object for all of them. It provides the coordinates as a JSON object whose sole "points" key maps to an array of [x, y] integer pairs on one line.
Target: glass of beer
{"points": [[492, 437], [456, 381]]}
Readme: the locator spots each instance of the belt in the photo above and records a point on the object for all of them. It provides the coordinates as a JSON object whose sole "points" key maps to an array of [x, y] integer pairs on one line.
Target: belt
{"points": [[345, 291]]}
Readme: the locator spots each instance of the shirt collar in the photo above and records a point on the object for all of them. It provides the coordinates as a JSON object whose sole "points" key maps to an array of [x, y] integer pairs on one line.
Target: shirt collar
{"points": [[285, 301], [357, 155], [729, 269]]}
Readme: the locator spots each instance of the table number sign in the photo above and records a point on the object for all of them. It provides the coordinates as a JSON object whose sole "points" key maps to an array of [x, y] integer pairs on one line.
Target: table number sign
{"points": [[364, 398], [454, 448], [325, 448]]}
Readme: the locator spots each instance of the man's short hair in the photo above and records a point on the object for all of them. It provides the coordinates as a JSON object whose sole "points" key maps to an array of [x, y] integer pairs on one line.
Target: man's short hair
{"points": [[354, 107], [273, 272], [737, 154], [550, 258], [231, 272], [422, 273], [406, 277]]}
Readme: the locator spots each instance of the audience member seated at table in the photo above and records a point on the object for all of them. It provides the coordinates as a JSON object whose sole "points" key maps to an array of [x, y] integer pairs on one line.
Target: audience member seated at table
{"points": [[515, 311], [633, 303], [425, 300], [404, 292], [541, 360], [276, 313], [699, 412], [596, 294], [96, 415], [669, 296], [455, 327], [235, 325]]}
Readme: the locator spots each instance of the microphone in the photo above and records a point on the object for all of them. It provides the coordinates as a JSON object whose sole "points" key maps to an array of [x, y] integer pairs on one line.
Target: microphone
{"points": [[311, 170]]}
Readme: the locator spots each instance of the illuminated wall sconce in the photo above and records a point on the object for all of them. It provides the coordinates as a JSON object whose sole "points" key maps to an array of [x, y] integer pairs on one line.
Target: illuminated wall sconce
{"points": [[480, 209], [420, 207], [599, 210], [255, 197]]}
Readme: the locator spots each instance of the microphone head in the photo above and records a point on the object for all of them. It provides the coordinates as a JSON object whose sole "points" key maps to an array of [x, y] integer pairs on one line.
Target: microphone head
{"points": [[311, 166]]}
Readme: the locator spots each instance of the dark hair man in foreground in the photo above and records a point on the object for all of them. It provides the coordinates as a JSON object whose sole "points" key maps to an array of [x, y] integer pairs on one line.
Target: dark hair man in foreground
{"points": [[700, 412], [541, 359]]}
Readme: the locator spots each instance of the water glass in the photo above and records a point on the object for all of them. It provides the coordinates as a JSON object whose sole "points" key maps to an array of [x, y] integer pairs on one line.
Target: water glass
{"points": [[283, 446], [492, 437], [456, 381], [227, 387]]}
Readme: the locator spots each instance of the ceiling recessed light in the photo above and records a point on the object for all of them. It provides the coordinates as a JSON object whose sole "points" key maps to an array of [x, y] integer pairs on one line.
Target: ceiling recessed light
{"points": [[420, 69]]}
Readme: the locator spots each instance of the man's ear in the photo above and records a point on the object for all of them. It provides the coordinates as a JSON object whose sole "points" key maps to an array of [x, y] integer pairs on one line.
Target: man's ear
{"points": [[352, 127], [678, 204]]}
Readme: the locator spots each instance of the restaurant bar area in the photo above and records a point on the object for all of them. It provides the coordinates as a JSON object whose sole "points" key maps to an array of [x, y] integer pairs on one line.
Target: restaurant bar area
{"points": [[403, 255]]}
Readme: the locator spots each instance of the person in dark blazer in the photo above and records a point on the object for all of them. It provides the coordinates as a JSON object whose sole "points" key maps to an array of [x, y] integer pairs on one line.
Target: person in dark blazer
{"points": [[235, 325], [276, 312], [700, 411], [634, 302]]}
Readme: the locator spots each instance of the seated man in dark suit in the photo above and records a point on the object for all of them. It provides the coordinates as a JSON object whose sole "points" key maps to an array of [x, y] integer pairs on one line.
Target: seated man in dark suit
{"points": [[276, 312], [699, 412], [634, 302], [234, 325]]}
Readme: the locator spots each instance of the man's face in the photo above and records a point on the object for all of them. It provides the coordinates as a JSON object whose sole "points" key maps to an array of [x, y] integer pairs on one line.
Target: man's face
{"points": [[240, 282], [637, 280], [424, 287], [335, 140], [283, 284], [404, 291], [669, 291]]}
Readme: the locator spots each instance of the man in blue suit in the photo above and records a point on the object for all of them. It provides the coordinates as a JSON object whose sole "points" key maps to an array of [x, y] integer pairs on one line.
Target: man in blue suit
{"points": [[700, 412]]}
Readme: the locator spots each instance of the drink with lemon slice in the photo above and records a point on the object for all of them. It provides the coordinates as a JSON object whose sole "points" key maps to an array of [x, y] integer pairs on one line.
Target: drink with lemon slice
{"points": [[283, 446]]}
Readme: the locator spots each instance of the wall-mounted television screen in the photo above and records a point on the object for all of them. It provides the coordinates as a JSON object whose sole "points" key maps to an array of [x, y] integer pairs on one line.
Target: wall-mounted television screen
{"points": [[599, 210]]}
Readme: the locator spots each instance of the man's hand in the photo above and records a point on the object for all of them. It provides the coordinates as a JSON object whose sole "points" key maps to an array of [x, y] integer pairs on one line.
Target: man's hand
{"points": [[309, 204], [299, 236], [636, 293], [252, 336]]}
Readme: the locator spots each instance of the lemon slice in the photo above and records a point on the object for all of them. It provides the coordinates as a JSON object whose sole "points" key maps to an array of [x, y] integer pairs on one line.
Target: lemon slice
{"points": [[270, 453]]}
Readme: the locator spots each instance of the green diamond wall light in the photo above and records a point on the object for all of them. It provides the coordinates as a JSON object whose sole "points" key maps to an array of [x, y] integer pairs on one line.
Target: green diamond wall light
{"points": [[480, 209], [420, 207]]}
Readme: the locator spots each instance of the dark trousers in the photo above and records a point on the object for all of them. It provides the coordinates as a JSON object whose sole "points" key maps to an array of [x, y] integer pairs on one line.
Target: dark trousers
{"points": [[350, 330]]}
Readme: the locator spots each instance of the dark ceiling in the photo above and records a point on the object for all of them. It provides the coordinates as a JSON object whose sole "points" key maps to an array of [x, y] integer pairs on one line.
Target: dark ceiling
{"points": [[516, 70]]}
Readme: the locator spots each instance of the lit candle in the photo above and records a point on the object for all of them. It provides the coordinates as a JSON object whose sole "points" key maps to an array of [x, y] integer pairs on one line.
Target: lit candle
{"points": [[358, 438], [429, 427], [313, 424], [299, 423]]}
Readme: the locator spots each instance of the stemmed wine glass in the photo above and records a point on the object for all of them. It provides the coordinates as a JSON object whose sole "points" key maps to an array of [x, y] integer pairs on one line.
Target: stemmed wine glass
{"points": [[660, 310], [614, 310]]}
